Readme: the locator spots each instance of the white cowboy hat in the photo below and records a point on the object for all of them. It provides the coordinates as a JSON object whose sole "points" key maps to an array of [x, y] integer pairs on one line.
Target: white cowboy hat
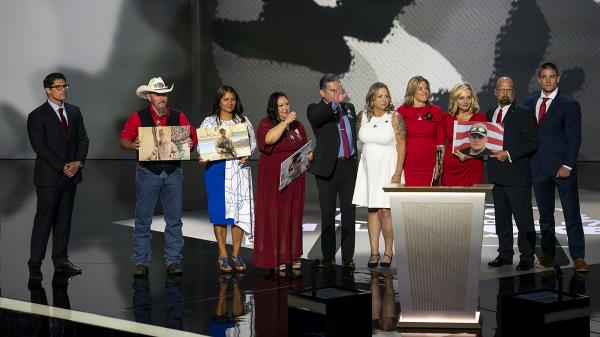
{"points": [[156, 85]]}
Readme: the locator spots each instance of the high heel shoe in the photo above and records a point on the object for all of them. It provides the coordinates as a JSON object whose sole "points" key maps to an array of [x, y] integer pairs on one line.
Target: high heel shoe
{"points": [[224, 266], [239, 264], [373, 264], [386, 264]]}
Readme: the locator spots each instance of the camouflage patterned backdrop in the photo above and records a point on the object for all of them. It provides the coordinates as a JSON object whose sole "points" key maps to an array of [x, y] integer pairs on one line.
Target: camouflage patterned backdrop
{"points": [[108, 48]]}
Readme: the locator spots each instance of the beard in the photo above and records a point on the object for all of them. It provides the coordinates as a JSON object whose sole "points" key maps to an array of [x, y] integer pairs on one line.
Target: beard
{"points": [[162, 109], [504, 100]]}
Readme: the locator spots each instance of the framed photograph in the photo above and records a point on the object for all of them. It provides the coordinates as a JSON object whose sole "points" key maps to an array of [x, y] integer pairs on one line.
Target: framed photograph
{"points": [[477, 139], [223, 142], [294, 165], [160, 143]]}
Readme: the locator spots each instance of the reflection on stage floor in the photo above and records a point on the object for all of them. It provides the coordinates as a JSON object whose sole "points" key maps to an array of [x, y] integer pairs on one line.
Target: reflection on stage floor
{"points": [[106, 300]]}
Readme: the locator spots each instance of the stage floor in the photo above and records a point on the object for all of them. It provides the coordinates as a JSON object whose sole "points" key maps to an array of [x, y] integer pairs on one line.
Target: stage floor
{"points": [[202, 301]]}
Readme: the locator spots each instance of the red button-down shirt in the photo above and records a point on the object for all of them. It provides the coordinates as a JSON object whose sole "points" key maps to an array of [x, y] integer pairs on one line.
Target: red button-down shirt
{"points": [[130, 130]]}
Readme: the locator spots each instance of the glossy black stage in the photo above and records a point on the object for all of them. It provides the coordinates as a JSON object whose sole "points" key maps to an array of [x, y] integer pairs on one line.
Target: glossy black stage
{"points": [[202, 301]]}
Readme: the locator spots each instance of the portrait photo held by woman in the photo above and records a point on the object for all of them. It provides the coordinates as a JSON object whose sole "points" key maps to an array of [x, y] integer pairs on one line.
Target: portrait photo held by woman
{"points": [[462, 169]]}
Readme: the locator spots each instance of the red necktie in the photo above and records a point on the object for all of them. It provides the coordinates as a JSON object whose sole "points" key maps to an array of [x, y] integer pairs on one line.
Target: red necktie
{"points": [[63, 121], [342, 126], [499, 117], [542, 112]]}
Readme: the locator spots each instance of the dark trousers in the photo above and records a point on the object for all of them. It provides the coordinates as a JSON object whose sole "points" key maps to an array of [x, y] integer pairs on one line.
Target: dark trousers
{"points": [[54, 210], [544, 188], [514, 201], [339, 185]]}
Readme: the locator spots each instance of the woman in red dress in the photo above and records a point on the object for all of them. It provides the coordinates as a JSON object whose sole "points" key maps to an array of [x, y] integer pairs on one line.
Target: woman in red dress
{"points": [[461, 169], [424, 133], [278, 225]]}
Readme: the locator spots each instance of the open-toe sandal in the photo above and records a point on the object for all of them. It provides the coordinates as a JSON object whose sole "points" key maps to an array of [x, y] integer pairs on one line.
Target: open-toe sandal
{"points": [[239, 264], [296, 264], [386, 264], [374, 263], [224, 265]]}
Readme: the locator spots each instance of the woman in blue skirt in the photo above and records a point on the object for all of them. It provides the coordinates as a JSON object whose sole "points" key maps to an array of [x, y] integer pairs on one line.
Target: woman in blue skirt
{"points": [[229, 184]]}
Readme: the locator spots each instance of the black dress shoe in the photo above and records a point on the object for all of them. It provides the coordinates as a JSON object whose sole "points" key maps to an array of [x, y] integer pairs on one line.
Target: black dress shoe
{"points": [[326, 264], [525, 265], [499, 262], [68, 267], [349, 264]]}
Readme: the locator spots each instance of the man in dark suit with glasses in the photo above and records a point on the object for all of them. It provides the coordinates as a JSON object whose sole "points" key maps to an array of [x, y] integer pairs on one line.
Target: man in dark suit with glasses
{"points": [[58, 137]]}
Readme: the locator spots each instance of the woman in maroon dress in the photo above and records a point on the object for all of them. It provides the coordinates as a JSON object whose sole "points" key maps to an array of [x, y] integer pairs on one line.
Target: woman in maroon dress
{"points": [[424, 133], [278, 226], [461, 169]]}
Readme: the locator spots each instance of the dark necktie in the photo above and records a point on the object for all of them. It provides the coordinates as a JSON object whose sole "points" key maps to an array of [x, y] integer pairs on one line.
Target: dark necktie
{"points": [[63, 121], [342, 126], [499, 117], [542, 112]]}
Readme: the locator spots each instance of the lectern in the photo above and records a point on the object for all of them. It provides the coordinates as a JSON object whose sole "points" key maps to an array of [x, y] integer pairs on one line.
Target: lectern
{"points": [[437, 237]]}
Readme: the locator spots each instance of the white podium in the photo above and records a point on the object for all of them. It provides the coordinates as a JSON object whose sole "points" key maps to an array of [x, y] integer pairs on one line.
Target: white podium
{"points": [[437, 237]]}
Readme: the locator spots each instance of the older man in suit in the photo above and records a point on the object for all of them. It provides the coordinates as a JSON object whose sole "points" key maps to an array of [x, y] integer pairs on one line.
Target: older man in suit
{"points": [[58, 137], [509, 171], [554, 165], [334, 166]]}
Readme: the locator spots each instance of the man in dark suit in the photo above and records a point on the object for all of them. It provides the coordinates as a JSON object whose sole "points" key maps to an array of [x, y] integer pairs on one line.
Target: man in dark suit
{"points": [[554, 165], [334, 166], [58, 137], [509, 171]]}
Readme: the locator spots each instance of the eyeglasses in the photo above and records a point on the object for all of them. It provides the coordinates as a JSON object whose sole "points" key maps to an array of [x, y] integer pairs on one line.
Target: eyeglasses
{"points": [[478, 129], [61, 87], [504, 91]]}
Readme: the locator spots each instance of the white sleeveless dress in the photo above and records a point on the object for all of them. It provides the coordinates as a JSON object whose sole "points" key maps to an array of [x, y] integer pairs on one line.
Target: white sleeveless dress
{"points": [[377, 161]]}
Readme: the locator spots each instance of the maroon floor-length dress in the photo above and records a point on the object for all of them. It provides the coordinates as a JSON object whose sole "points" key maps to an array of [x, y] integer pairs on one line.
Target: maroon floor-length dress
{"points": [[424, 131], [457, 173], [278, 221]]}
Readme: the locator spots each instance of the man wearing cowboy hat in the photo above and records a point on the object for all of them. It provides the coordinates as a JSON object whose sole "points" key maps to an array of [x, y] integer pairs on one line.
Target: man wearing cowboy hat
{"points": [[156, 179]]}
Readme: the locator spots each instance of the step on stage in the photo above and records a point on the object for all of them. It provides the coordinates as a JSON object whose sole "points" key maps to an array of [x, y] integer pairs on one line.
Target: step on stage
{"points": [[106, 300]]}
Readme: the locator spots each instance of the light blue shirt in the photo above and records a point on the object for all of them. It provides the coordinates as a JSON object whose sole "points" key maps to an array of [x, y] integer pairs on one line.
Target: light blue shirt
{"points": [[56, 107]]}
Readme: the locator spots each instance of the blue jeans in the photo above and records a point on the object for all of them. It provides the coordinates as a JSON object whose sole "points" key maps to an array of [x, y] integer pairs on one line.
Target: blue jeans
{"points": [[148, 188]]}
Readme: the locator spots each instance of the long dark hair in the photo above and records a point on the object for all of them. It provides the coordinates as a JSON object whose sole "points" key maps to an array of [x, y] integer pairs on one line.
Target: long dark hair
{"points": [[238, 110], [273, 111], [272, 108]]}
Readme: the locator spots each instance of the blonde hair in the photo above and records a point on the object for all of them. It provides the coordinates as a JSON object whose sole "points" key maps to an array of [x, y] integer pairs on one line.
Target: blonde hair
{"points": [[368, 109], [455, 92], [411, 89]]}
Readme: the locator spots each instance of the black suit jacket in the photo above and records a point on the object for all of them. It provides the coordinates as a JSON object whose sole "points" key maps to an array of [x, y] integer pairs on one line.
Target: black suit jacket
{"points": [[52, 147], [521, 142], [559, 134], [324, 123]]}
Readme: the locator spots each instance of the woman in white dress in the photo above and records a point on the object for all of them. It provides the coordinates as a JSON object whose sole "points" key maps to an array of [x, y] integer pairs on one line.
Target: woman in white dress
{"points": [[382, 133]]}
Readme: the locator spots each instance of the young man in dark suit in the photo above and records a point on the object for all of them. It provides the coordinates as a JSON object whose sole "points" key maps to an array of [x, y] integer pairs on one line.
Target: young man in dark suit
{"points": [[509, 171], [554, 165], [334, 165], [58, 137]]}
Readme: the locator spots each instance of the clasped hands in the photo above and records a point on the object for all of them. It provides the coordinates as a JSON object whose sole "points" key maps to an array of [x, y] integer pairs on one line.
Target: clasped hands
{"points": [[71, 168]]}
